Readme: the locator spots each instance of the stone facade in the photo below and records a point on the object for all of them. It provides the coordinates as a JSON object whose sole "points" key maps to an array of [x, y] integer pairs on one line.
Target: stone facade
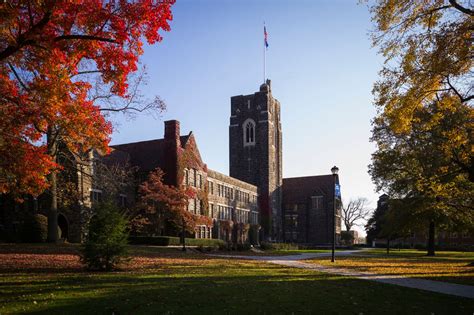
{"points": [[74, 204], [255, 152], [233, 208], [231, 203], [308, 207]]}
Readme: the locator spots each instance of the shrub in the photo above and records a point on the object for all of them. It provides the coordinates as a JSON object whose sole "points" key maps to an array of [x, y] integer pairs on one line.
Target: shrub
{"points": [[35, 229], [171, 240], [278, 246], [243, 247], [207, 248], [106, 242], [347, 237]]}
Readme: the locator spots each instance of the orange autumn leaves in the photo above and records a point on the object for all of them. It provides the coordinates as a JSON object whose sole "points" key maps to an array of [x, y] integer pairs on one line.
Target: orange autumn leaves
{"points": [[53, 55]]}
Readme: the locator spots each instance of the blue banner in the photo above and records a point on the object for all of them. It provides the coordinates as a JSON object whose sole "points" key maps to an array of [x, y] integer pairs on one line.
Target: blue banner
{"points": [[337, 190]]}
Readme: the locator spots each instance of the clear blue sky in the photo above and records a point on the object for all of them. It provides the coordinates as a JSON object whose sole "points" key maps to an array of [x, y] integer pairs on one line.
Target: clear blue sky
{"points": [[322, 69]]}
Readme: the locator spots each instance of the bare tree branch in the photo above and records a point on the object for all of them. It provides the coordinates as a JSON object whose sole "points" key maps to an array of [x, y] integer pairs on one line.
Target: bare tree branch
{"points": [[461, 8], [354, 211], [17, 76]]}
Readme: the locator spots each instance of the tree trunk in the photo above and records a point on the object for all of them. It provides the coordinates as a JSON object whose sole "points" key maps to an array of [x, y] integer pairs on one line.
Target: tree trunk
{"points": [[53, 209], [431, 239], [388, 245], [348, 227]]}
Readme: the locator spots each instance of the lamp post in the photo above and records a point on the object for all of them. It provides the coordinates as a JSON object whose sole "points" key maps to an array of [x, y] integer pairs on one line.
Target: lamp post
{"points": [[334, 171]]}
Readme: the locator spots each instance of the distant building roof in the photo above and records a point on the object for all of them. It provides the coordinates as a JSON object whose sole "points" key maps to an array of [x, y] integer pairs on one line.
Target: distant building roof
{"points": [[116, 157], [147, 155], [299, 189]]}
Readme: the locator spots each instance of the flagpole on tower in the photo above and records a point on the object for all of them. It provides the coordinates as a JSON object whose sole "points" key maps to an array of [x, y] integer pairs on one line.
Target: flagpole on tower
{"points": [[265, 47], [264, 52]]}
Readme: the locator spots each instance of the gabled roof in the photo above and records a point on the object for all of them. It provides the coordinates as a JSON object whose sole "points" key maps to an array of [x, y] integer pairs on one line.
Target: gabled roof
{"points": [[116, 157], [299, 189], [147, 155]]}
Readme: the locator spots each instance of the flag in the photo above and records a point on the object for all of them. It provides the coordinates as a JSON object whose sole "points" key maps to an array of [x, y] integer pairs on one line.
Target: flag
{"points": [[266, 36], [337, 190]]}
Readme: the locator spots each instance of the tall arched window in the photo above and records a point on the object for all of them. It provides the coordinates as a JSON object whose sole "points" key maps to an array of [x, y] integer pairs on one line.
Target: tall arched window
{"points": [[249, 132]]}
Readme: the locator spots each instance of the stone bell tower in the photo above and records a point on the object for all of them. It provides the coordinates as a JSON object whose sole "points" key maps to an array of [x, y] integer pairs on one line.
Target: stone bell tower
{"points": [[255, 145]]}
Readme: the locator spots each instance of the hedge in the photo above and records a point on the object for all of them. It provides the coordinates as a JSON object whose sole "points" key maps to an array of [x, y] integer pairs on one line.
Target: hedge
{"points": [[278, 246], [34, 229], [171, 240]]}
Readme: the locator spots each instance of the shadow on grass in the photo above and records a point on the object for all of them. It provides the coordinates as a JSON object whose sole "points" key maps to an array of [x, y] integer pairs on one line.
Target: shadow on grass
{"points": [[278, 293]]}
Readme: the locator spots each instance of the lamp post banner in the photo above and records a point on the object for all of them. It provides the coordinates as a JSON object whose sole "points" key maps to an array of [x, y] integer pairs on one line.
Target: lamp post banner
{"points": [[337, 190]]}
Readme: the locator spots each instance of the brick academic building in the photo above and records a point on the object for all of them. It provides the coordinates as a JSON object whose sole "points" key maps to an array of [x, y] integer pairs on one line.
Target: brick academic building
{"points": [[254, 203]]}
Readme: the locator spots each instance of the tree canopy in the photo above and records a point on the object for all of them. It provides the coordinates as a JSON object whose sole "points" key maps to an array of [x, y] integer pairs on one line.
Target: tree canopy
{"points": [[60, 61], [425, 120], [427, 47], [162, 204]]}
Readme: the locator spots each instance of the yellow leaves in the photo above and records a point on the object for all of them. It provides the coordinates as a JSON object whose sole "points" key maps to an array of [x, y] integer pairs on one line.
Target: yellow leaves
{"points": [[407, 264], [408, 62]]}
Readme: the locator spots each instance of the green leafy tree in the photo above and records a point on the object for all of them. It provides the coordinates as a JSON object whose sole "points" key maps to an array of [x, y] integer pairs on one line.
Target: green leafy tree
{"points": [[390, 220], [416, 168], [106, 243]]}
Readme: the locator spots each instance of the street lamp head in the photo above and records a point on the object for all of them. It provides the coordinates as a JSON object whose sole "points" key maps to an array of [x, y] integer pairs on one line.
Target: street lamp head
{"points": [[334, 170]]}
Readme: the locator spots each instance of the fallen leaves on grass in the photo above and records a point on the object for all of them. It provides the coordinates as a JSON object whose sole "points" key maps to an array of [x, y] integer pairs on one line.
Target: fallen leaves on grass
{"points": [[449, 270], [39, 262]]}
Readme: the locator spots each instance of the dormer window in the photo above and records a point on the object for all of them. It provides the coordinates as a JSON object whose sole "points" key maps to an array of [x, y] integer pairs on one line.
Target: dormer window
{"points": [[249, 132]]}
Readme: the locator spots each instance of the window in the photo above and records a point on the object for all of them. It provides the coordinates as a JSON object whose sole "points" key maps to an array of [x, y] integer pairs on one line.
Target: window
{"points": [[249, 132], [191, 205], [211, 210], [200, 181], [210, 187], [254, 218], [317, 202], [197, 206], [96, 195], [186, 176]]}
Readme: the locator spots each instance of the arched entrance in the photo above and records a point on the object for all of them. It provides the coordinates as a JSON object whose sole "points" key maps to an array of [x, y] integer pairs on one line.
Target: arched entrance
{"points": [[63, 227]]}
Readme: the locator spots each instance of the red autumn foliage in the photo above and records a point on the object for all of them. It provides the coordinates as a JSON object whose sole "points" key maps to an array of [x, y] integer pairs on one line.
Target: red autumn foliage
{"points": [[48, 52], [165, 202]]}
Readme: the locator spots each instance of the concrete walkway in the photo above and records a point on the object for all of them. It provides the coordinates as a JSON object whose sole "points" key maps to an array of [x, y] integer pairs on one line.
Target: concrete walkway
{"points": [[422, 284]]}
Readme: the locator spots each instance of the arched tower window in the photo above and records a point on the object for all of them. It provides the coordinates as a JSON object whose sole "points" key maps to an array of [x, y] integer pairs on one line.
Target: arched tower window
{"points": [[249, 132]]}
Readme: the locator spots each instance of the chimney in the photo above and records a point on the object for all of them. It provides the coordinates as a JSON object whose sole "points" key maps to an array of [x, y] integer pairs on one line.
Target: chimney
{"points": [[172, 131], [172, 147]]}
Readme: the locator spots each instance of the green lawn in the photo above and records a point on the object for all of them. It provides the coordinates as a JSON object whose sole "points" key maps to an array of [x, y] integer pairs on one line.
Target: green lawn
{"points": [[275, 252], [49, 279], [454, 267]]}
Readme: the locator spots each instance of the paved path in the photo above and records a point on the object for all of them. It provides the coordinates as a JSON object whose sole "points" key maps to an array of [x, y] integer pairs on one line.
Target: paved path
{"points": [[422, 284]]}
